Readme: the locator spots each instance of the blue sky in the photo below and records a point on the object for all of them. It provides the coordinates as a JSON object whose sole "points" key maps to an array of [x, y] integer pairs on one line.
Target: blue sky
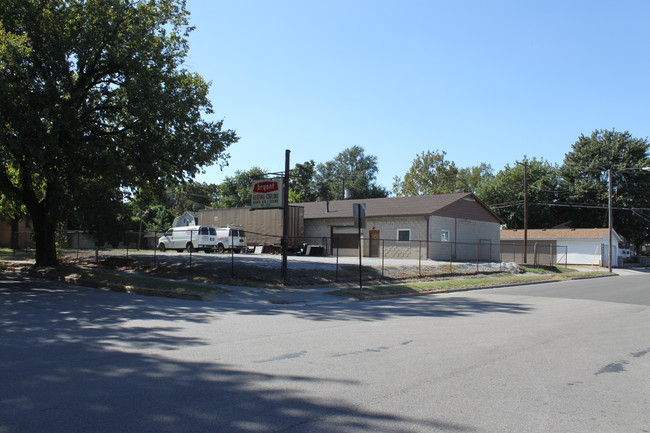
{"points": [[484, 81]]}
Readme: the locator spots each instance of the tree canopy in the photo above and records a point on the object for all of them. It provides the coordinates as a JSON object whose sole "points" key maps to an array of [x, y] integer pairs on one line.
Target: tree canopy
{"points": [[431, 173], [350, 170], [302, 187], [235, 191], [584, 183], [95, 98], [505, 194]]}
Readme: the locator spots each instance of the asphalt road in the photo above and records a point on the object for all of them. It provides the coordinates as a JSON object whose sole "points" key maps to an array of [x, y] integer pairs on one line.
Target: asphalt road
{"points": [[560, 357]]}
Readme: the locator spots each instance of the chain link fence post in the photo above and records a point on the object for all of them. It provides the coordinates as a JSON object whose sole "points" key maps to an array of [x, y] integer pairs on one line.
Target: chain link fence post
{"points": [[420, 258], [155, 247], [383, 253]]}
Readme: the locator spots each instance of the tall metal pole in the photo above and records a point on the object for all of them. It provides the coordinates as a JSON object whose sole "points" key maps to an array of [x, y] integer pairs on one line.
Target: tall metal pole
{"points": [[525, 212], [611, 215], [285, 217], [360, 246]]}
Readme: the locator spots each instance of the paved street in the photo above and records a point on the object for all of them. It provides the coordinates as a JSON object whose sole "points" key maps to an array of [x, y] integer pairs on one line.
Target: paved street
{"points": [[558, 357]]}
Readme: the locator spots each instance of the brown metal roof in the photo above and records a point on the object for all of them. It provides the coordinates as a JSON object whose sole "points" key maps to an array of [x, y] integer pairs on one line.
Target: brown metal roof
{"points": [[555, 234], [443, 204]]}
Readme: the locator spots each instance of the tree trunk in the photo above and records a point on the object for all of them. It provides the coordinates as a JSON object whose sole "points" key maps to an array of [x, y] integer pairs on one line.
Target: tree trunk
{"points": [[14, 235], [45, 239], [45, 222]]}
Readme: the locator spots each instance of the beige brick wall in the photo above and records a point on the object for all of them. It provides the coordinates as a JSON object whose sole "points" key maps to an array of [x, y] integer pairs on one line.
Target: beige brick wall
{"points": [[388, 227], [467, 234], [464, 235]]}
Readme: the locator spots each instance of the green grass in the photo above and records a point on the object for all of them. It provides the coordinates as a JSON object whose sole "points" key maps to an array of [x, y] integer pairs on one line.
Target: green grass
{"points": [[19, 254], [380, 291]]}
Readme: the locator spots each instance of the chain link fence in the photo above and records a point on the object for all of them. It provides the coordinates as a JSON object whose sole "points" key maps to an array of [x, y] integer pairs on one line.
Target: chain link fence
{"points": [[536, 253], [319, 260]]}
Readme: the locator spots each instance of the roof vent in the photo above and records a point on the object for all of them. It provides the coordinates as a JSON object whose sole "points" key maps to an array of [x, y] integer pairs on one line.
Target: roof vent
{"points": [[327, 207]]}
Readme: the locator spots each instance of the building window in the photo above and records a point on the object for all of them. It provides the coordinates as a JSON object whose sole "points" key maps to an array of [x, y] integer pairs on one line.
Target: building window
{"points": [[444, 235], [404, 235]]}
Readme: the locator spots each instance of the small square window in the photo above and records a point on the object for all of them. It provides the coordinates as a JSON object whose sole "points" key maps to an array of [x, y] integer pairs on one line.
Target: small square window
{"points": [[444, 235], [404, 235]]}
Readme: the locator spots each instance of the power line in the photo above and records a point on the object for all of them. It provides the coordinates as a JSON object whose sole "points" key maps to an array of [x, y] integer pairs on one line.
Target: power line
{"points": [[586, 206], [570, 205]]}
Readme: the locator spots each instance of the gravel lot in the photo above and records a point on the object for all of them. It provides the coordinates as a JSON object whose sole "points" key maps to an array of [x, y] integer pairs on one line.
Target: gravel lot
{"points": [[303, 270]]}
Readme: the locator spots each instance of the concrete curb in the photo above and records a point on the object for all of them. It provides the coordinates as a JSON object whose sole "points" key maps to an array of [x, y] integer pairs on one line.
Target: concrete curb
{"points": [[43, 274]]}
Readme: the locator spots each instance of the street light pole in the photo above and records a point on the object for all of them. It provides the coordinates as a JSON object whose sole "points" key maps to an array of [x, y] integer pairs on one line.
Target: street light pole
{"points": [[525, 213], [610, 212]]}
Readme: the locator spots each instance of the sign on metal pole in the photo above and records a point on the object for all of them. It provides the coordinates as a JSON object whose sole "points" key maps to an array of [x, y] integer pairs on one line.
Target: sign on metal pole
{"points": [[359, 212], [267, 194]]}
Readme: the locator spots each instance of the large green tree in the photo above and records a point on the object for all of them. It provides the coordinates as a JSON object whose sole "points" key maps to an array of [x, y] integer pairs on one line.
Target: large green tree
{"points": [[431, 173], [302, 187], [191, 196], [505, 194], [95, 97], [584, 183], [350, 170], [235, 191]]}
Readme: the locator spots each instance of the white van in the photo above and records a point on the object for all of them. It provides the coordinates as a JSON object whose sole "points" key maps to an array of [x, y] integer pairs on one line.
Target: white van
{"points": [[190, 238], [231, 238]]}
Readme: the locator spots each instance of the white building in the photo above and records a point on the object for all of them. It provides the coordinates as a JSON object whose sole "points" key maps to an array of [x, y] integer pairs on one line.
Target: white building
{"points": [[570, 246], [186, 219]]}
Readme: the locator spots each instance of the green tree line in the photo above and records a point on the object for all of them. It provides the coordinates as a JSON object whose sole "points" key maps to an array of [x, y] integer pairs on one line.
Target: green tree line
{"points": [[574, 194], [103, 129]]}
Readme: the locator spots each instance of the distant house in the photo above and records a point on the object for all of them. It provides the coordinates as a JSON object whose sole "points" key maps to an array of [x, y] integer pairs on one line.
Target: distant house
{"points": [[438, 227], [571, 246], [186, 219], [17, 235]]}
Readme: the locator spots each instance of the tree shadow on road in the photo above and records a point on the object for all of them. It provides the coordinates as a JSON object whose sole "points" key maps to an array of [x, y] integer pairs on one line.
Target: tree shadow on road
{"points": [[375, 310], [67, 363]]}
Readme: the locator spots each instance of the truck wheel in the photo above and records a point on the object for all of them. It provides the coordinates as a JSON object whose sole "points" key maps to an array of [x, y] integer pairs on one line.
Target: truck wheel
{"points": [[190, 247], [161, 247], [220, 248]]}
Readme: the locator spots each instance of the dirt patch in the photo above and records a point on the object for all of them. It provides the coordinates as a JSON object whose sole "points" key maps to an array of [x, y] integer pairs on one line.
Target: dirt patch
{"points": [[246, 270]]}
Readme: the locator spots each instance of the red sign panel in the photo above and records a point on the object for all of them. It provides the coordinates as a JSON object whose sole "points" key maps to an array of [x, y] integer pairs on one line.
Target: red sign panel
{"points": [[267, 186]]}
